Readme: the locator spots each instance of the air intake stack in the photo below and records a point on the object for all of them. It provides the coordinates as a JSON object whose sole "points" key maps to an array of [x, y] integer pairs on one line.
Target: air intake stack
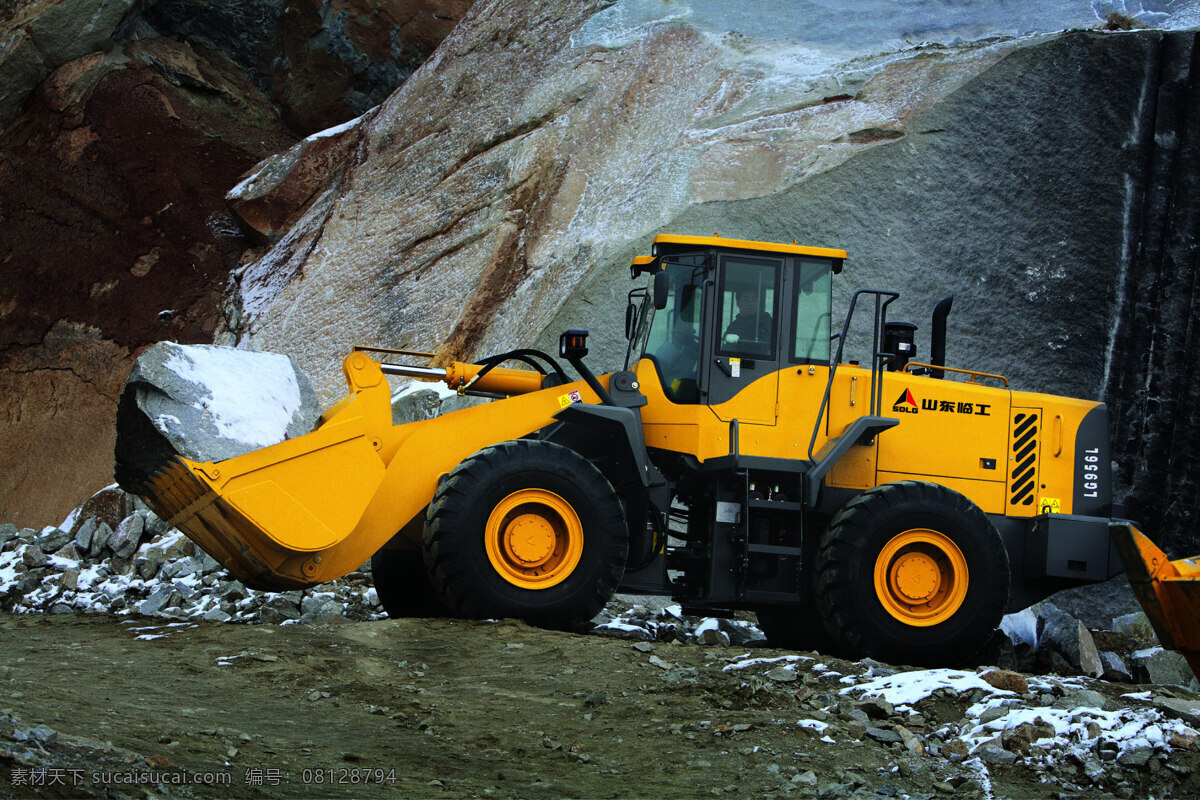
{"points": [[937, 336]]}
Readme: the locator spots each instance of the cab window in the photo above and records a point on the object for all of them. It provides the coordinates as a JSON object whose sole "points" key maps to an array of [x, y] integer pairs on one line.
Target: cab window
{"points": [[670, 337], [812, 305], [747, 306]]}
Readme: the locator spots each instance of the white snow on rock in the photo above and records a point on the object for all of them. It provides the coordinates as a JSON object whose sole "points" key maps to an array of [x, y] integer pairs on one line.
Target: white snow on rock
{"points": [[1081, 730], [250, 400], [1021, 628], [756, 662], [336, 129], [905, 689], [212, 403]]}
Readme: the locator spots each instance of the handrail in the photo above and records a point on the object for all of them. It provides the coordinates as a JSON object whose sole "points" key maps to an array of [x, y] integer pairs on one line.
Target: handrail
{"points": [[878, 358], [972, 372]]}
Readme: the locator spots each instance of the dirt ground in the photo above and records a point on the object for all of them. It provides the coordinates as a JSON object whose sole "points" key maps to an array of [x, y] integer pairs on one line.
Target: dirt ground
{"points": [[431, 708]]}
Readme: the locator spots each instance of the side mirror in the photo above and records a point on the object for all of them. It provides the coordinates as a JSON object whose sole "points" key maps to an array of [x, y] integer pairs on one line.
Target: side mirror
{"points": [[662, 285], [630, 320]]}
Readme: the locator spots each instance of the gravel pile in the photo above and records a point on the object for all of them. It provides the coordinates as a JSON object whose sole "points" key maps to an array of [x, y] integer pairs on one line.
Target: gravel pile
{"points": [[1081, 735], [141, 566]]}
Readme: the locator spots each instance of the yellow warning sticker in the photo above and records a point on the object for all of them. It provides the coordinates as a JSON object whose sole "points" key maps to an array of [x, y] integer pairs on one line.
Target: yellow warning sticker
{"points": [[1049, 505], [565, 400]]}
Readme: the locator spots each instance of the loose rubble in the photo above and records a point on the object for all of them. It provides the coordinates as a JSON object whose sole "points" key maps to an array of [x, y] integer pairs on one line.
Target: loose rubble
{"points": [[114, 555], [144, 567], [1084, 729]]}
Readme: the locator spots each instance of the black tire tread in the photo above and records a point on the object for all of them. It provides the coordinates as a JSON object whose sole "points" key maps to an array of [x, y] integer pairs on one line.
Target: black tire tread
{"points": [[840, 576], [449, 563]]}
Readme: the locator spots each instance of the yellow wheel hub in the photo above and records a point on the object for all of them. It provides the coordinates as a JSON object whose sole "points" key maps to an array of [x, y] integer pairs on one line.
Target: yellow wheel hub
{"points": [[534, 539], [921, 577]]}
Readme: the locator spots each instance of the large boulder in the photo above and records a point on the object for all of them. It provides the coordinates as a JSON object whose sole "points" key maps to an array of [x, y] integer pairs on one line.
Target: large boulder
{"points": [[207, 403], [1062, 634], [1098, 605]]}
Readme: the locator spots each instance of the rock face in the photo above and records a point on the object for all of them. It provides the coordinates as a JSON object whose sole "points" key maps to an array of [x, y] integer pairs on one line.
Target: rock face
{"points": [[1150, 374], [122, 126], [207, 403], [37, 37], [107, 250], [1019, 172], [322, 62]]}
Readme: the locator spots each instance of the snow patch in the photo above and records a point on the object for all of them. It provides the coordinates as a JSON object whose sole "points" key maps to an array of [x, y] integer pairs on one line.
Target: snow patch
{"points": [[250, 403], [336, 129], [905, 689], [789, 661]]}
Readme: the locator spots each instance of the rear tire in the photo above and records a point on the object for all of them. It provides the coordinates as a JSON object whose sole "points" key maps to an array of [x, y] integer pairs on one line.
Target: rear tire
{"points": [[526, 529], [403, 585], [912, 573]]}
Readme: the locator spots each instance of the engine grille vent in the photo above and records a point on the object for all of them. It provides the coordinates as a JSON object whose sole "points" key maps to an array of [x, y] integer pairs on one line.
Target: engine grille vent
{"points": [[1025, 458]]}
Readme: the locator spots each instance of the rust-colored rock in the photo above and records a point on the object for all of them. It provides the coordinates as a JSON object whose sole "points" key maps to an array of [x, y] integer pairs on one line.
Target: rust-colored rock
{"points": [[273, 195], [88, 208], [56, 424], [116, 235], [1005, 679], [110, 505]]}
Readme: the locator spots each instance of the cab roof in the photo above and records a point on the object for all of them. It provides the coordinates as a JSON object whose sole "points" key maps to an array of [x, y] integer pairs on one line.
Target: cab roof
{"points": [[746, 244]]}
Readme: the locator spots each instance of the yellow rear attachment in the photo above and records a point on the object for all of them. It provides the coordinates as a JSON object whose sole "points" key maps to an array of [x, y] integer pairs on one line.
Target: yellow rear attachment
{"points": [[1168, 590]]}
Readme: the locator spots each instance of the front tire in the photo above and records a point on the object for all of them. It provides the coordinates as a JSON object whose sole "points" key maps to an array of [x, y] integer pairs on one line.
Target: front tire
{"points": [[526, 529], [912, 573]]}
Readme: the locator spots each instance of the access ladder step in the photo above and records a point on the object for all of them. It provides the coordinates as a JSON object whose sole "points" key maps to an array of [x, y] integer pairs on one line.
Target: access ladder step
{"points": [[774, 549]]}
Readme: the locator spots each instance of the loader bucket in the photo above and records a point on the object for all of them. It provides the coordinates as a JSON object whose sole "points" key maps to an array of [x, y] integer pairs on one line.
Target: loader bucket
{"points": [[1168, 590], [189, 503], [266, 516], [313, 508], [275, 517]]}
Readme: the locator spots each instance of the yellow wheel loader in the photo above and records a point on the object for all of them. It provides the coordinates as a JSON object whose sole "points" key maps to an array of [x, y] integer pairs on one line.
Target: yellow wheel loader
{"points": [[736, 463]]}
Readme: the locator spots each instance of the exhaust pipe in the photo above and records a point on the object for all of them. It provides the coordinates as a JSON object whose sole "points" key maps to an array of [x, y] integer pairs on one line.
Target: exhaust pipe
{"points": [[937, 336]]}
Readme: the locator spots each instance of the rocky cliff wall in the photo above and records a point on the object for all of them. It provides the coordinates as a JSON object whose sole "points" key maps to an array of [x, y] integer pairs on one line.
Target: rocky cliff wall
{"points": [[1152, 372], [123, 123], [497, 197], [116, 235]]}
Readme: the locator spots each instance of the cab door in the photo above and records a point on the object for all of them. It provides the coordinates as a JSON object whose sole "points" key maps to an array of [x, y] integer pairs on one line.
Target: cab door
{"points": [[742, 368]]}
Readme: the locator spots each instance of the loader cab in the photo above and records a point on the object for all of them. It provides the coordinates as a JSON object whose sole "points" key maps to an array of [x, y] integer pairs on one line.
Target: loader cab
{"points": [[735, 312]]}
